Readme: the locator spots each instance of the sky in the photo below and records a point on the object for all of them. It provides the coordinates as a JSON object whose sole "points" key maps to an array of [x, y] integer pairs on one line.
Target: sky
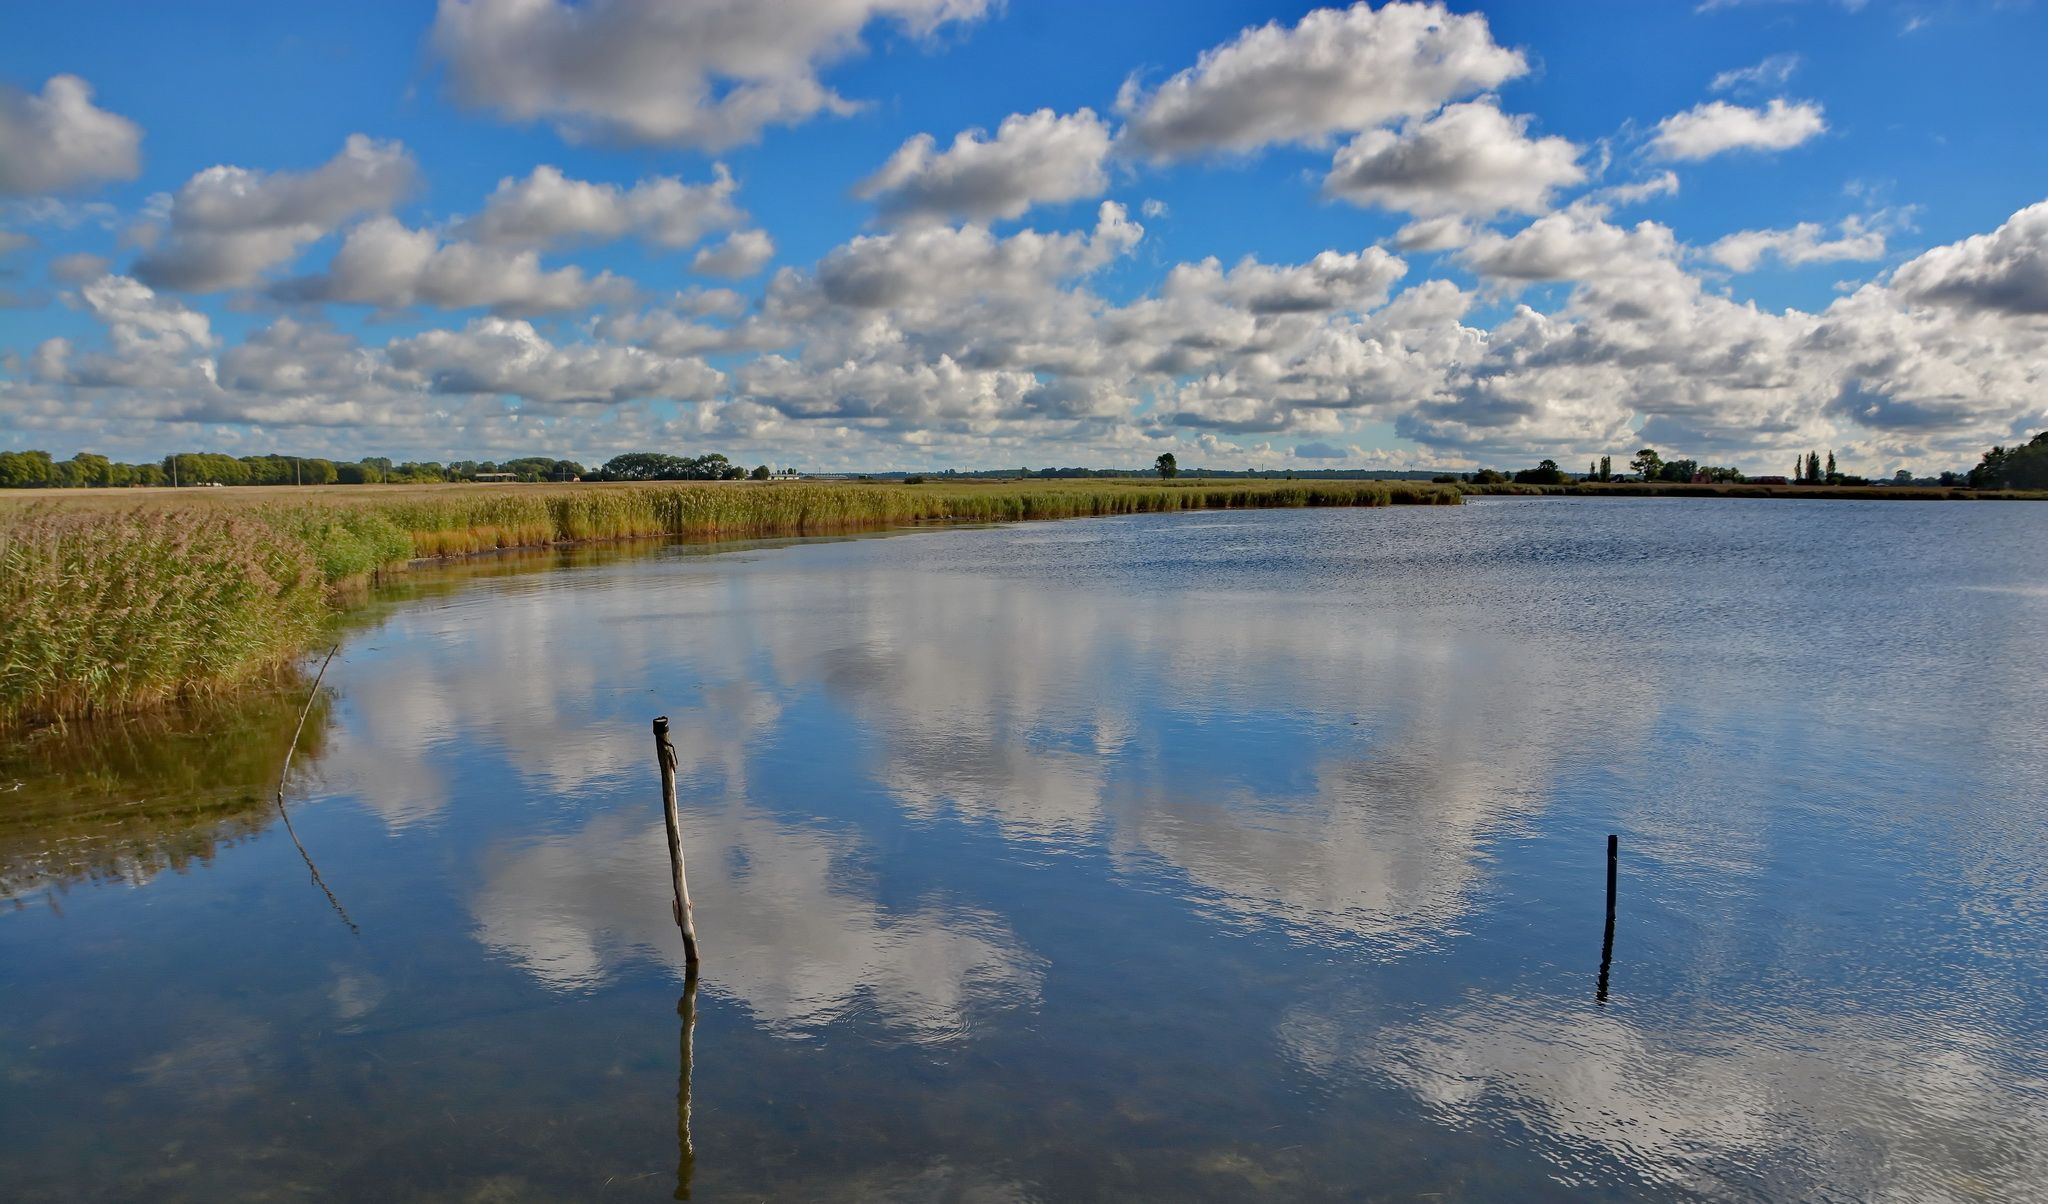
{"points": [[925, 234]]}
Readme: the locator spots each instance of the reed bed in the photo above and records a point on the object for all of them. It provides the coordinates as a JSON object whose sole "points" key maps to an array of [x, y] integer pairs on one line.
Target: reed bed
{"points": [[116, 611], [108, 607]]}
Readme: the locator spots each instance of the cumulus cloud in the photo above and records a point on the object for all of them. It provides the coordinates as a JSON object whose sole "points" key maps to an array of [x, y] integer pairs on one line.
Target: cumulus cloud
{"points": [[1470, 158], [1336, 71], [229, 225], [153, 341], [742, 254], [1034, 158], [2005, 271], [499, 355], [648, 72], [58, 139], [382, 262], [548, 208], [1807, 242], [929, 268], [1717, 127], [290, 358], [1574, 244]]}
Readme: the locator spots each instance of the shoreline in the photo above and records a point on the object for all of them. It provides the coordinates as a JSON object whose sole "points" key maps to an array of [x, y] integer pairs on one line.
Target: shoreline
{"points": [[112, 608]]}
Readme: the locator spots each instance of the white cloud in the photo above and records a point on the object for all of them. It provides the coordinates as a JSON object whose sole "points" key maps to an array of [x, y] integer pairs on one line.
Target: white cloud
{"points": [[59, 139], [154, 341], [742, 254], [1336, 71], [1664, 183], [384, 263], [647, 72], [229, 225], [928, 268], [1434, 233], [548, 208], [1034, 158], [1470, 158], [1773, 72], [2005, 271], [1717, 127], [1570, 245], [499, 355], [1804, 243]]}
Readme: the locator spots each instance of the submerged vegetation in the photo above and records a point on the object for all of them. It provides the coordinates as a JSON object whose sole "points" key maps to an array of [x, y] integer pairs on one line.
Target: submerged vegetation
{"points": [[107, 604]]}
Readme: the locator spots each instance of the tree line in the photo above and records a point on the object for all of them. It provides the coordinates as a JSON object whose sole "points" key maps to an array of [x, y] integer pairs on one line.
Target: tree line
{"points": [[38, 470]]}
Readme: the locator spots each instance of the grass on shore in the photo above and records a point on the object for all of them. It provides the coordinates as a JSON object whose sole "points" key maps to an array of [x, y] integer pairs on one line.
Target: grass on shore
{"points": [[125, 599]]}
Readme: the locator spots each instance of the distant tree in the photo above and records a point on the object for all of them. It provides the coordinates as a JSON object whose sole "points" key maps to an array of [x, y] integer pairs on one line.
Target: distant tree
{"points": [[1545, 473], [1607, 468], [1488, 476], [642, 466], [761, 472], [1832, 474], [2024, 466], [1648, 463], [1168, 466], [25, 469], [1902, 477]]}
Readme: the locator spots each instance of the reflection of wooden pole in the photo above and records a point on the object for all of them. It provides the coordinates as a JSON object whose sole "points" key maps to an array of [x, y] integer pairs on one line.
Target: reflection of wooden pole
{"points": [[686, 1148], [1607, 942], [665, 753]]}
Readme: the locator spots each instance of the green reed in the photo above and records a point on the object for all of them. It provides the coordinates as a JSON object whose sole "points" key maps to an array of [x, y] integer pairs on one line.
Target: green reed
{"points": [[119, 610], [108, 610]]}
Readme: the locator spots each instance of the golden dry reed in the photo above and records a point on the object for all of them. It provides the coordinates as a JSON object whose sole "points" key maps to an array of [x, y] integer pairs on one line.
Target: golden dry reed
{"points": [[189, 593]]}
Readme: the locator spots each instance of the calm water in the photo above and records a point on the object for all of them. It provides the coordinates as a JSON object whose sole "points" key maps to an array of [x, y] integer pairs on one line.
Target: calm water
{"points": [[1223, 856]]}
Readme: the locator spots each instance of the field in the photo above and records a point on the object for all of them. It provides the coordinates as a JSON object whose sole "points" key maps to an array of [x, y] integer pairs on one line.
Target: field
{"points": [[123, 599]]}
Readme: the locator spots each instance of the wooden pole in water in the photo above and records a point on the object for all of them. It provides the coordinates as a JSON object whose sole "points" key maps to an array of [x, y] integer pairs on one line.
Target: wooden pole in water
{"points": [[1607, 942], [665, 755]]}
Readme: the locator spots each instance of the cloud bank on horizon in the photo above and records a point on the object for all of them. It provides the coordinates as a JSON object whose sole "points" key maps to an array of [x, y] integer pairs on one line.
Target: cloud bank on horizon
{"points": [[948, 233]]}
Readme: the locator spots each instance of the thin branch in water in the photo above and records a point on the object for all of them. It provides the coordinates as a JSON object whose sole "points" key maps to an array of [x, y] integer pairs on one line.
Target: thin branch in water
{"points": [[285, 772]]}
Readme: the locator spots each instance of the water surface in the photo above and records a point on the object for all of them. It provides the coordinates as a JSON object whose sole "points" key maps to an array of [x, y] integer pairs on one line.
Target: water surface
{"points": [[1223, 856]]}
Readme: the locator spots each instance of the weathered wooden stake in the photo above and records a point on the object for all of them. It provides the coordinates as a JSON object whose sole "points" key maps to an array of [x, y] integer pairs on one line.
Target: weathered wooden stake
{"points": [[665, 754], [1607, 942]]}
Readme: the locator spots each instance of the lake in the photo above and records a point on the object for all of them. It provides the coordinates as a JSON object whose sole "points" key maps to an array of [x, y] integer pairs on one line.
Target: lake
{"points": [[1225, 856]]}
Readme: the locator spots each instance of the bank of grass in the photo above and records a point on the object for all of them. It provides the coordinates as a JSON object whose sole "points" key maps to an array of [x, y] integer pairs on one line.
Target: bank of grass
{"points": [[122, 600]]}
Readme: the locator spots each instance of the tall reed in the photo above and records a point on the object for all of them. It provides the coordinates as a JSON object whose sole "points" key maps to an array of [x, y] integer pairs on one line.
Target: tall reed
{"points": [[122, 609], [102, 611]]}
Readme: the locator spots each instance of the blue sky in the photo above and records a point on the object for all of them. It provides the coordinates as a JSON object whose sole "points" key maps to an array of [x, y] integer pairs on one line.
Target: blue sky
{"points": [[1440, 236]]}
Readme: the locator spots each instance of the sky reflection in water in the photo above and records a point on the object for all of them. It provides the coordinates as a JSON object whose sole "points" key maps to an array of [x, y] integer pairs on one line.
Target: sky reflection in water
{"points": [[1218, 856]]}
